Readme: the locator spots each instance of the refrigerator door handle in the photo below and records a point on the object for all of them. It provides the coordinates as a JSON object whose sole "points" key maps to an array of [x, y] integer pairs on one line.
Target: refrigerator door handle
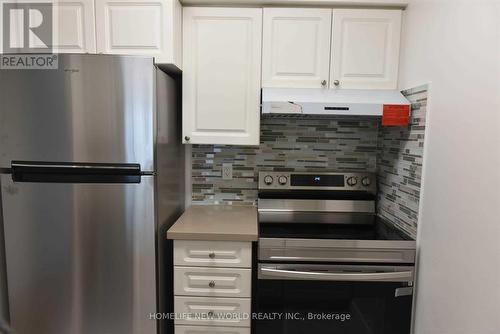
{"points": [[75, 172]]}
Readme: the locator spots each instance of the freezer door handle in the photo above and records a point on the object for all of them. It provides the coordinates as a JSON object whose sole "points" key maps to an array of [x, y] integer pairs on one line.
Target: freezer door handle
{"points": [[75, 172]]}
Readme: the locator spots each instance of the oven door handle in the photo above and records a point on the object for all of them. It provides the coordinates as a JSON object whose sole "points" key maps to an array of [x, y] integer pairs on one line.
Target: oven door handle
{"points": [[395, 276]]}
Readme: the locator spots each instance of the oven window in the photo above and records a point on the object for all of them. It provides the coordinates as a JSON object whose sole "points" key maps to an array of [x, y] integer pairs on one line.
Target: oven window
{"points": [[321, 307]]}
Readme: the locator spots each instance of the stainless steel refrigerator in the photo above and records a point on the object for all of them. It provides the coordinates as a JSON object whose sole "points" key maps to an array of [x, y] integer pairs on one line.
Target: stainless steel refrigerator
{"points": [[92, 174]]}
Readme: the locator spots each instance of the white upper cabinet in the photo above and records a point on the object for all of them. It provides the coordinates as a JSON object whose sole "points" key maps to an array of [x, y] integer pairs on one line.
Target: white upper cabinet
{"points": [[365, 48], [311, 48], [74, 25], [73, 28], [140, 27], [221, 75], [296, 47]]}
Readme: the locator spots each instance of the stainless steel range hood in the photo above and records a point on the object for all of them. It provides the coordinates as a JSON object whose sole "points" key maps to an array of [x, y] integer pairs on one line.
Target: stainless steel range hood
{"points": [[312, 101]]}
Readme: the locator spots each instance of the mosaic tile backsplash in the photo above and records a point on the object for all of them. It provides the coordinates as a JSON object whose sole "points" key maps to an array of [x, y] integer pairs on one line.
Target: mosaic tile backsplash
{"points": [[287, 144], [323, 144], [399, 165]]}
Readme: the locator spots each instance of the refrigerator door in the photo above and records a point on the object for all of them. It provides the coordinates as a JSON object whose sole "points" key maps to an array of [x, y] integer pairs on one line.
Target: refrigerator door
{"points": [[93, 108], [80, 257]]}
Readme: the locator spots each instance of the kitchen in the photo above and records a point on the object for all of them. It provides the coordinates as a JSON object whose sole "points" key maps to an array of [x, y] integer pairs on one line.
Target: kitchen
{"points": [[274, 157]]}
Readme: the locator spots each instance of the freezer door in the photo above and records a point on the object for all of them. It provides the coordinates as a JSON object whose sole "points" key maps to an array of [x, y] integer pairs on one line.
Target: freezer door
{"points": [[80, 257], [93, 108]]}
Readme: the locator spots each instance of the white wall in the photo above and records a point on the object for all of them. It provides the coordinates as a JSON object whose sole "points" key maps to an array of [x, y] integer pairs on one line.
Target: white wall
{"points": [[455, 45]]}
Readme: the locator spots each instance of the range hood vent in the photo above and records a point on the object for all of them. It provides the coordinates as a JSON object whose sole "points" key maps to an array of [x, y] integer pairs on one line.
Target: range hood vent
{"points": [[324, 102]]}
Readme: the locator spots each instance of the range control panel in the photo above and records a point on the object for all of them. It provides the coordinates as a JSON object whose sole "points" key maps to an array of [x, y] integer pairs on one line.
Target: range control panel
{"points": [[317, 181]]}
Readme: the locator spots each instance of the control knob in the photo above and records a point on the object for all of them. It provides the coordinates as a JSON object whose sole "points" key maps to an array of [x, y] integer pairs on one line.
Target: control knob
{"points": [[282, 180], [268, 179], [366, 181], [352, 181]]}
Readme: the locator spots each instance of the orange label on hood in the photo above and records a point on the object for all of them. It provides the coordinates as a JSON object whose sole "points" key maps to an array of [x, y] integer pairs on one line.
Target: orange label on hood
{"points": [[395, 115]]}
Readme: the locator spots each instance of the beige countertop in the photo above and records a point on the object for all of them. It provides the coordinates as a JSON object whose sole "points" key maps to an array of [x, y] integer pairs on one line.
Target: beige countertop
{"points": [[216, 222]]}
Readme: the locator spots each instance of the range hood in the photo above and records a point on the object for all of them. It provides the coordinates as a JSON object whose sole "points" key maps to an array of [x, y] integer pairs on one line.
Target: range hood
{"points": [[312, 101]]}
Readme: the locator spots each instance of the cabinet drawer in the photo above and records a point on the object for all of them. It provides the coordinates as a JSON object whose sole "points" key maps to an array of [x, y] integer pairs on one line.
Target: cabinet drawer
{"points": [[212, 282], [213, 253], [233, 312], [210, 330]]}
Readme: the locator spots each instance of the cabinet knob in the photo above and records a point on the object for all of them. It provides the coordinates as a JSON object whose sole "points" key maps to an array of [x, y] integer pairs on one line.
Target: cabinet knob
{"points": [[336, 82], [211, 284], [211, 314], [323, 83], [187, 138], [211, 255]]}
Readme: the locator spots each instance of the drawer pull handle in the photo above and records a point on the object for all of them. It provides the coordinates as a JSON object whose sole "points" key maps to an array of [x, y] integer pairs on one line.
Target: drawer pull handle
{"points": [[211, 314], [211, 284], [211, 255]]}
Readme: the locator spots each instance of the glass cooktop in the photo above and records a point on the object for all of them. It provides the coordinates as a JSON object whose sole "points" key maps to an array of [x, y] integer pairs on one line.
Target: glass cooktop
{"points": [[378, 230]]}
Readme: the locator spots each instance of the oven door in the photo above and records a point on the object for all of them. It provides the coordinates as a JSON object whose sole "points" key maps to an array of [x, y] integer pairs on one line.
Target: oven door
{"points": [[340, 299]]}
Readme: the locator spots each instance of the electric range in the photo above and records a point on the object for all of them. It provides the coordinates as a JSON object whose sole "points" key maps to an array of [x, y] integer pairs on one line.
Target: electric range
{"points": [[323, 251]]}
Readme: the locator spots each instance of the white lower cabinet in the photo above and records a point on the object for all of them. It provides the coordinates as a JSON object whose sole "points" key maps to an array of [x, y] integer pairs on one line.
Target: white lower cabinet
{"points": [[213, 282], [233, 312], [231, 254], [212, 287], [210, 330]]}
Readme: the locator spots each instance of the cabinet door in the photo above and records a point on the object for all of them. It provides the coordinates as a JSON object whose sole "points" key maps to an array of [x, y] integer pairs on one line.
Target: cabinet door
{"points": [[221, 75], [74, 23], [365, 48], [73, 28], [140, 27], [296, 47]]}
